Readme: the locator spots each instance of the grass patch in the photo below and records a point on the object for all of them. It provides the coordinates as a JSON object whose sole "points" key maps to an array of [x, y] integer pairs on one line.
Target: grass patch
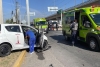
{"points": [[9, 60]]}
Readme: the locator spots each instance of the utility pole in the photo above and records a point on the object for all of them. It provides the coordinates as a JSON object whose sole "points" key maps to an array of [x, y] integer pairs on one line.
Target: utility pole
{"points": [[61, 16], [1, 12], [20, 19], [17, 12], [28, 16]]}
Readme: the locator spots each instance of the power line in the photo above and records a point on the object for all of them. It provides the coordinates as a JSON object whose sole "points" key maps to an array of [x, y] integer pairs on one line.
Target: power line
{"points": [[11, 5], [65, 4], [54, 3], [61, 2]]}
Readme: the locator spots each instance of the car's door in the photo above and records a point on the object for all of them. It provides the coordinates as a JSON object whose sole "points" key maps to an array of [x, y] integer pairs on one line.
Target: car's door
{"points": [[14, 35], [39, 37], [28, 27]]}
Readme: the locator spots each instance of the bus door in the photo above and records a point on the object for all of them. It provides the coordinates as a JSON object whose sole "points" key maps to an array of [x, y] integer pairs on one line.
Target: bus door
{"points": [[77, 17], [84, 27]]}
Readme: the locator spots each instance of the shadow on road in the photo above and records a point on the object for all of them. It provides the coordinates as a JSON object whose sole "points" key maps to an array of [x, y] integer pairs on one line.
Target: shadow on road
{"points": [[39, 52], [40, 56], [61, 39]]}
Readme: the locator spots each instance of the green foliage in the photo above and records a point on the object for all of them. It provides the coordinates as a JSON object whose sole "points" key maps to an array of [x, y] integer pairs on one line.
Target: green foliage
{"points": [[59, 11], [9, 21]]}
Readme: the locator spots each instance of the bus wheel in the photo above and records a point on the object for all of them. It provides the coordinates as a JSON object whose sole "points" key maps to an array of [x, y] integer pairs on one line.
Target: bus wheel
{"points": [[5, 50], [93, 44]]}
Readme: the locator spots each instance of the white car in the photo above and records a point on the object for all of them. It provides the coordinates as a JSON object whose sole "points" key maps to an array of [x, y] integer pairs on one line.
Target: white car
{"points": [[12, 37]]}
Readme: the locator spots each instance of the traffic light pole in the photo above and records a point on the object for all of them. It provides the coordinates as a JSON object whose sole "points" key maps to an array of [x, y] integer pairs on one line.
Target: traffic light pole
{"points": [[1, 12], [27, 7], [17, 13], [61, 16]]}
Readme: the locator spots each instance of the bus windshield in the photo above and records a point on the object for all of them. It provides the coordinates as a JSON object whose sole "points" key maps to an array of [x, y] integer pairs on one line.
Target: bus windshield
{"points": [[96, 18], [41, 23]]}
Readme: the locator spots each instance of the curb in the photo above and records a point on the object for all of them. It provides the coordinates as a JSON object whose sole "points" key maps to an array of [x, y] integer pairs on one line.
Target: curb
{"points": [[20, 59]]}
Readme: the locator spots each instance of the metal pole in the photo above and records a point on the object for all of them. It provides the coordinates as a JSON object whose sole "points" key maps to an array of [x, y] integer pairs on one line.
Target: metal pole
{"points": [[20, 19], [61, 16], [16, 12], [28, 17], [1, 12]]}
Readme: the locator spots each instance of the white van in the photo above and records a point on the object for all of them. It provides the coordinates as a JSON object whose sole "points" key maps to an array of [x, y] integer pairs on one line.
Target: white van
{"points": [[12, 37]]}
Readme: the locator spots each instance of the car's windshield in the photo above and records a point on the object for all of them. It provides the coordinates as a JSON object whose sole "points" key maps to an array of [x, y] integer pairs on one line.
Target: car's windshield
{"points": [[54, 22], [96, 18]]}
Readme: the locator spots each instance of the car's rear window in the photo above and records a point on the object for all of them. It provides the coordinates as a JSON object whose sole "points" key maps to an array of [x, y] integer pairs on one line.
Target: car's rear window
{"points": [[13, 28], [0, 27]]}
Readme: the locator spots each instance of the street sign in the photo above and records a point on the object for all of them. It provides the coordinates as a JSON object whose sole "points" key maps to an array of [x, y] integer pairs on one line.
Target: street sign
{"points": [[32, 13], [52, 8]]}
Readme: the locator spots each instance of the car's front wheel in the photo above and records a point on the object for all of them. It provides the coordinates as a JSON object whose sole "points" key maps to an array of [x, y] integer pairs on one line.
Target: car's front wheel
{"points": [[45, 45], [5, 50]]}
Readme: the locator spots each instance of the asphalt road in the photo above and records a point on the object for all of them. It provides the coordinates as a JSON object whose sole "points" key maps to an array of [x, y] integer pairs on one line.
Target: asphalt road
{"points": [[63, 54], [78, 55]]}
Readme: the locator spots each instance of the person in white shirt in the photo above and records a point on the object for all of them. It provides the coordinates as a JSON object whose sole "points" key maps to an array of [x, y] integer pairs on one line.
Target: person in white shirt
{"points": [[74, 28]]}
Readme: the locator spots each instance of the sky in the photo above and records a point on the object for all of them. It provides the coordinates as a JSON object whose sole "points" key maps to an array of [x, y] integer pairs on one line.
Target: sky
{"points": [[40, 7]]}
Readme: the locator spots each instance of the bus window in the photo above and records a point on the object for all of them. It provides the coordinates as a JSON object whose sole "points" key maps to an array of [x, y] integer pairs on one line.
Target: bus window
{"points": [[85, 21], [69, 19]]}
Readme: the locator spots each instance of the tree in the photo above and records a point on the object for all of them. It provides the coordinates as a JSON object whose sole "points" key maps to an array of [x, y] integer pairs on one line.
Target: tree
{"points": [[59, 11], [9, 21]]}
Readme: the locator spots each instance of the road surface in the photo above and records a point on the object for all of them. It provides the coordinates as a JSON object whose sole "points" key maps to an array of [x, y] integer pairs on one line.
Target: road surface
{"points": [[63, 54]]}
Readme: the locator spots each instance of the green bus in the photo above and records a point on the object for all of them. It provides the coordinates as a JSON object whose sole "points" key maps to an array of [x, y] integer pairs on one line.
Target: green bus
{"points": [[87, 32], [41, 23]]}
